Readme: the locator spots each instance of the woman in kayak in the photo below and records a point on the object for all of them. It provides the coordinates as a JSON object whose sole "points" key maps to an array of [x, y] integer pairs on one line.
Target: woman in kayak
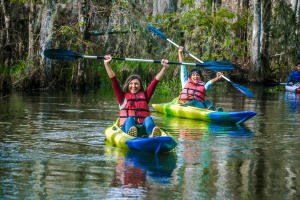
{"points": [[133, 101], [193, 89], [294, 77]]}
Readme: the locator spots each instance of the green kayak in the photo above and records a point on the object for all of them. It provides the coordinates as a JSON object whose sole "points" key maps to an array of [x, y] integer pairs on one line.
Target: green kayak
{"points": [[189, 112]]}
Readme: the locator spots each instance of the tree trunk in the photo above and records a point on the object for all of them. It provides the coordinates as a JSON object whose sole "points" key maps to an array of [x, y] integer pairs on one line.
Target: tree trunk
{"points": [[49, 12], [295, 4], [7, 48], [244, 31], [216, 4], [296, 8], [255, 56], [30, 30], [265, 32], [238, 32], [83, 19], [6, 7], [164, 6], [260, 39]]}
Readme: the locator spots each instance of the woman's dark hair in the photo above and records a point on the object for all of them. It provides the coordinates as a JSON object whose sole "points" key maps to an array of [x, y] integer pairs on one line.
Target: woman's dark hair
{"points": [[195, 70], [298, 63], [129, 79]]}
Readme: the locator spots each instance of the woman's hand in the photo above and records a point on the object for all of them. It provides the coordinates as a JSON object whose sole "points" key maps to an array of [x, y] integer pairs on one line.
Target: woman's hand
{"points": [[107, 59], [180, 50], [162, 72], [219, 75], [164, 63], [109, 71], [180, 54], [291, 83]]}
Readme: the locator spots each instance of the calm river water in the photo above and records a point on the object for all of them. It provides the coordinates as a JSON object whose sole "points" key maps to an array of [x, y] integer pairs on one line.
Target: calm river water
{"points": [[52, 146]]}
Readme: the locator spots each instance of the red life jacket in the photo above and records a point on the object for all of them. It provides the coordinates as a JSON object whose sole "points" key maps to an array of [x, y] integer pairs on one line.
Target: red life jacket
{"points": [[193, 91], [136, 106]]}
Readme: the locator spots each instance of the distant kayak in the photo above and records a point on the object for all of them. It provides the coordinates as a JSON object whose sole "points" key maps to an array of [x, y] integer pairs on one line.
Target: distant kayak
{"points": [[116, 137], [189, 112], [293, 88]]}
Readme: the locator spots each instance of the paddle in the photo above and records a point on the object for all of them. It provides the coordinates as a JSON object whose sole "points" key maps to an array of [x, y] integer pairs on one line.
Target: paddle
{"points": [[69, 55], [242, 89], [273, 83]]}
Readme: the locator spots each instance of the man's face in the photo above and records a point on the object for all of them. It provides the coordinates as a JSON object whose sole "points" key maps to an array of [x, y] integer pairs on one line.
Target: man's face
{"points": [[298, 68]]}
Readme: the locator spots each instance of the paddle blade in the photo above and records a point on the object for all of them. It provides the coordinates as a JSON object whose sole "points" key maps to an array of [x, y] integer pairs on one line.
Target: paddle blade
{"points": [[61, 54], [243, 90], [217, 65], [156, 32]]}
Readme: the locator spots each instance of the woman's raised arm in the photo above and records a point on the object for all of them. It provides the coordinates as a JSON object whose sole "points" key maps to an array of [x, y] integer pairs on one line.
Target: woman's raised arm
{"points": [[109, 71], [162, 72]]}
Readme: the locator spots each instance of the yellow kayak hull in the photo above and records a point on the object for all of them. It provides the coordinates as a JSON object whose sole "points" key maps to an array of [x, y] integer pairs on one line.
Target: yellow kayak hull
{"points": [[118, 138]]}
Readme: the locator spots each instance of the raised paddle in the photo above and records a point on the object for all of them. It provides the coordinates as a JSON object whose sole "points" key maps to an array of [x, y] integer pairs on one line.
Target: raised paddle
{"points": [[242, 89], [61, 54]]}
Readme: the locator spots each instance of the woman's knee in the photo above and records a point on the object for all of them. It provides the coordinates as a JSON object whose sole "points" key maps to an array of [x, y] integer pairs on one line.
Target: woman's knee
{"points": [[148, 119]]}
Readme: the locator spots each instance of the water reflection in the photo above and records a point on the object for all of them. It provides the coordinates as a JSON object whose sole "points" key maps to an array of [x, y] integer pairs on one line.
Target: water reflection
{"points": [[293, 101], [205, 154], [52, 147], [135, 171]]}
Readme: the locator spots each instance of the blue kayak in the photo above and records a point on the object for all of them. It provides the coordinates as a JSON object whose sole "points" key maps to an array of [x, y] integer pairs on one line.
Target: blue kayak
{"points": [[116, 137]]}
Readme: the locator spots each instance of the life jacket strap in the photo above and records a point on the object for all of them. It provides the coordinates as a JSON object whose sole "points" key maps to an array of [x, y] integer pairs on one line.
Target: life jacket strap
{"points": [[193, 95], [137, 99]]}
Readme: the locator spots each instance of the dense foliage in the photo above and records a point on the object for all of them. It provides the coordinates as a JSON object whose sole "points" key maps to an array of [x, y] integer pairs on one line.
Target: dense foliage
{"points": [[210, 30]]}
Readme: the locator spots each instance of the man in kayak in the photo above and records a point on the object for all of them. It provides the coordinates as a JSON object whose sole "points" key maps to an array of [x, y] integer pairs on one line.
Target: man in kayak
{"points": [[193, 89], [294, 77], [133, 101]]}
